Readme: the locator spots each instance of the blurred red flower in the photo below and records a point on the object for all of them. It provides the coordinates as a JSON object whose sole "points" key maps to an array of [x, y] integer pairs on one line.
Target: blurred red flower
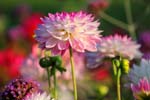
{"points": [[10, 61], [102, 72], [30, 24]]}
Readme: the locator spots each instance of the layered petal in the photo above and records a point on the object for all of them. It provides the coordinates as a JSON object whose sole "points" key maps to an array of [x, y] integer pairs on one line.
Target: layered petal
{"points": [[61, 30]]}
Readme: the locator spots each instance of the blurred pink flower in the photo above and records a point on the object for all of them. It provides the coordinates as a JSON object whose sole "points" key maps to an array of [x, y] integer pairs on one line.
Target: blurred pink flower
{"points": [[10, 62], [141, 91], [61, 30], [31, 68], [117, 45], [16, 33]]}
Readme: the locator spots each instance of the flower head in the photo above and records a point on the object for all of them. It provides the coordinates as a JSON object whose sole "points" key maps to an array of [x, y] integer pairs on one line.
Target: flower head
{"points": [[141, 91], [10, 62], [38, 96], [30, 24], [63, 30], [140, 71], [18, 89], [117, 45]]}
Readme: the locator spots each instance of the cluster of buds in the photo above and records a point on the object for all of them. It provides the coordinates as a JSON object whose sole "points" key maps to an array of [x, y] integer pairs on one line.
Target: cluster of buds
{"points": [[18, 89], [123, 64]]}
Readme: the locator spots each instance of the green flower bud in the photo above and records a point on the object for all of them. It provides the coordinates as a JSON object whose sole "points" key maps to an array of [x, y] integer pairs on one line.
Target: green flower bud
{"points": [[56, 61], [125, 66], [116, 62], [45, 62]]}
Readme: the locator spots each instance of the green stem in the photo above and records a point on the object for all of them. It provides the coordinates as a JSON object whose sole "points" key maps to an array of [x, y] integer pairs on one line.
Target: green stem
{"points": [[49, 82], [55, 85], [118, 84], [73, 74], [131, 26], [114, 21]]}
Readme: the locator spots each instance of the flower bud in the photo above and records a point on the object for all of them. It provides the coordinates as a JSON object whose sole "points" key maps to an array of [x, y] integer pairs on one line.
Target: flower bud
{"points": [[117, 62], [125, 66], [45, 62], [56, 61]]}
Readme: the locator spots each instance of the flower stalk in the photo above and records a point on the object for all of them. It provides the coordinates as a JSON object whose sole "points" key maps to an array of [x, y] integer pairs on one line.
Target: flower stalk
{"points": [[114, 21], [49, 81], [131, 26], [117, 72], [118, 84], [55, 85], [73, 73]]}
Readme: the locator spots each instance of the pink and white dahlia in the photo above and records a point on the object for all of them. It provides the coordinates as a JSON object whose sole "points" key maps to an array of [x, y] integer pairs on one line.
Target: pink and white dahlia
{"points": [[63, 30], [117, 45], [141, 91]]}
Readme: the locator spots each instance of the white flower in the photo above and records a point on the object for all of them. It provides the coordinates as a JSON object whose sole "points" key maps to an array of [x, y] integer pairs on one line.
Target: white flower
{"points": [[141, 71], [38, 96], [117, 45]]}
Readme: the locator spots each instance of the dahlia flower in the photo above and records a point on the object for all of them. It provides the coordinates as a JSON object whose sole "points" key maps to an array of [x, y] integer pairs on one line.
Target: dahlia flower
{"points": [[141, 91], [38, 96], [10, 62], [140, 71], [117, 45], [18, 89], [63, 30]]}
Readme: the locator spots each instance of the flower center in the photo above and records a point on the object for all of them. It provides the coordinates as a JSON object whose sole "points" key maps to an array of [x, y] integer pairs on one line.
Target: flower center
{"points": [[61, 34]]}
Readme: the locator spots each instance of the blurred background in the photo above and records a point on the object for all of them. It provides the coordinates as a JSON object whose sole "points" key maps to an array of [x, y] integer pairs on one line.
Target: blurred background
{"points": [[19, 19]]}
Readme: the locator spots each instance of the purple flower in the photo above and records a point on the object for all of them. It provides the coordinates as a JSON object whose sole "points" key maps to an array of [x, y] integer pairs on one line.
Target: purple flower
{"points": [[146, 55], [63, 30], [18, 89], [144, 39]]}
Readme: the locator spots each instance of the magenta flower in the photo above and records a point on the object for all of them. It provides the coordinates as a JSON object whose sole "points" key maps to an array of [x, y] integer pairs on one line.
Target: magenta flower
{"points": [[141, 91], [117, 45], [63, 30]]}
